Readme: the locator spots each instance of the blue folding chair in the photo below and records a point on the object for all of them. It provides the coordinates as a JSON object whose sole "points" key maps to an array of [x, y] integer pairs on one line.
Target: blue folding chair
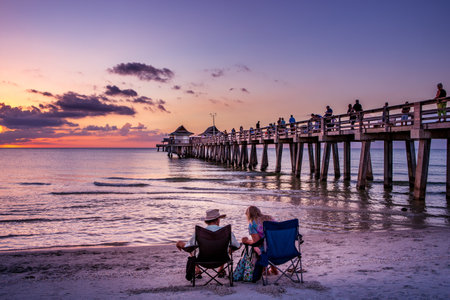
{"points": [[282, 246]]}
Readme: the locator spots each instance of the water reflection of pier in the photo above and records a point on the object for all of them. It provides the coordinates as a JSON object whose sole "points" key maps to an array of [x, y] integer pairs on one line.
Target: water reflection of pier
{"points": [[239, 149]]}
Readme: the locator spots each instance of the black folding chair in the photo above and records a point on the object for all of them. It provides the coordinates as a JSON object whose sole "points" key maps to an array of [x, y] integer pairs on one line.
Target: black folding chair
{"points": [[214, 250], [282, 246]]}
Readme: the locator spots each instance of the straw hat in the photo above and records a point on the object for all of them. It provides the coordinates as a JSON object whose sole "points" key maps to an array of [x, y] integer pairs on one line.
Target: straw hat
{"points": [[213, 214]]}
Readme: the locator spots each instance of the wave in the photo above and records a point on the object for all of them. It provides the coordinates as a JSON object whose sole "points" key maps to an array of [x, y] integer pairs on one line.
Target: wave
{"points": [[120, 184], [169, 179], [90, 193], [36, 220], [34, 183], [14, 235]]}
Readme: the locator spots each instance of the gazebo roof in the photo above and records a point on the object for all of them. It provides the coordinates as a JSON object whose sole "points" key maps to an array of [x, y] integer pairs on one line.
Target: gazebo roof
{"points": [[211, 131], [181, 131]]}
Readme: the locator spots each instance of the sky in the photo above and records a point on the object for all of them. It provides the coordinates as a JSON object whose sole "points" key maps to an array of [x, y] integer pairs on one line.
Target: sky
{"points": [[126, 73]]}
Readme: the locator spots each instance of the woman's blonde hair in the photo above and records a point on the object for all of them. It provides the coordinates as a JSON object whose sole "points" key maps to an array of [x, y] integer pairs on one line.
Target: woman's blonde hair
{"points": [[254, 214]]}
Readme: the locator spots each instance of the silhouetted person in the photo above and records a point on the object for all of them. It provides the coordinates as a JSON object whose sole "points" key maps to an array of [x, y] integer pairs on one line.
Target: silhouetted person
{"points": [[385, 115], [357, 108], [441, 103], [351, 113], [405, 113]]}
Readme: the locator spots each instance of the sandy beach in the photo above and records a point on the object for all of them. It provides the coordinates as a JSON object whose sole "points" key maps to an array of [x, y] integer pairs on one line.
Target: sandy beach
{"points": [[409, 264]]}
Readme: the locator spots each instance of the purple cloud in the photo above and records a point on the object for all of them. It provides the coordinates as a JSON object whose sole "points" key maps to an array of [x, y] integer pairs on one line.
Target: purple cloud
{"points": [[244, 90], [150, 103], [100, 128], [143, 71], [77, 105], [16, 118], [47, 94], [112, 90], [176, 87]]}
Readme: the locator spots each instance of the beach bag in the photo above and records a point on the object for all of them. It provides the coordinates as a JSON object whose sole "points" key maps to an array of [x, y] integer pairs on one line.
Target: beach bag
{"points": [[190, 268], [245, 266]]}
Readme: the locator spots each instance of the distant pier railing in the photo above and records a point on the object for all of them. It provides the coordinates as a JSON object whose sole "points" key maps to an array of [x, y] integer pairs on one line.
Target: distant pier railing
{"points": [[387, 124]]}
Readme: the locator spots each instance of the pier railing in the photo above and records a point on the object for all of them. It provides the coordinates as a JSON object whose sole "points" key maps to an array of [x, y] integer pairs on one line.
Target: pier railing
{"points": [[420, 115]]}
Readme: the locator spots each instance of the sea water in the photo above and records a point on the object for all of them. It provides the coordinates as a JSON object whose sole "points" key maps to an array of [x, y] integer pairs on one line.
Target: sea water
{"points": [[101, 197]]}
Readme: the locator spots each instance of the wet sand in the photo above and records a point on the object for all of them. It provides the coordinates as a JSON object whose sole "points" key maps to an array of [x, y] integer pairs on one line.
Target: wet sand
{"points": [[409, 264]]}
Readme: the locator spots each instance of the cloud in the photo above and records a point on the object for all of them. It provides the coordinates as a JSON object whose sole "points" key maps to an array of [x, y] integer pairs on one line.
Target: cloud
{"points": [[47, 94], [7, 82], [78, 106], [217, 73], [17, 118], [142, 71], [242, 68], [106, 128], [176, 87], [244, 90], [112, 90], [151, 104], [190, 92]]}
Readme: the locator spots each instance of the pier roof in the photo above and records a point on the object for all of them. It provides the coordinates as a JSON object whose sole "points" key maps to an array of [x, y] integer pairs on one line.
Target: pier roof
{"points": [[181, 131]]}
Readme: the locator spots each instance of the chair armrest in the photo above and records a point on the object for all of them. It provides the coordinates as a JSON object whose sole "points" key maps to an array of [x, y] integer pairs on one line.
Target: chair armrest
{"points": [[190, 248], [233, 248]]}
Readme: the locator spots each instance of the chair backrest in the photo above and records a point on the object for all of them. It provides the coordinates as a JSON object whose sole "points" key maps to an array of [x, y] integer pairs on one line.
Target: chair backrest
{"points": [[280, 240], [213, 245]]}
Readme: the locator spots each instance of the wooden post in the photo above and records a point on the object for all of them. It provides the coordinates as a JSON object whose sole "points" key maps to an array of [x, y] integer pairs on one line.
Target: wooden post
{"points": [[293, 154], [264, 159], [369, 168], [253, 159], [279, 153], [245, 152], [388, 152], [325, 161], [347, 160], [311, 158], [448, 169], [337, 168], [363, 165], [423, 159], [317, 162], [411, 159], [299, 159]]}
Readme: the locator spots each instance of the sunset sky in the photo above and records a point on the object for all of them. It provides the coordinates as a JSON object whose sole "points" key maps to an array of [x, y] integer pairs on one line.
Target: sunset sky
{"points": [[126, 73]]}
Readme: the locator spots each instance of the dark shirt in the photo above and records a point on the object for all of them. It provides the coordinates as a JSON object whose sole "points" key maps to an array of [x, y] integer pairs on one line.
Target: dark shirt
{"points": [[442, 93], [357, 107]]}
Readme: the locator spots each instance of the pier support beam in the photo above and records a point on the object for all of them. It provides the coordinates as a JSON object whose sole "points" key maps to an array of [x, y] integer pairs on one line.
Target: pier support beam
{"points": [[337, 168], [279, 153], [369, 168], [253, 159], [317, 161], [311, 158], [423, 160], [411, 159], [293, 154], [448, 170], [264, 159], [347, 160], [325, 161], [299, 159], [388, 152], [363, 165]]}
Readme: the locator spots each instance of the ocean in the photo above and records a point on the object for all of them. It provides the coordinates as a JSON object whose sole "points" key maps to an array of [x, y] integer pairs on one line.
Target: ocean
{"points": [[107, 197]]}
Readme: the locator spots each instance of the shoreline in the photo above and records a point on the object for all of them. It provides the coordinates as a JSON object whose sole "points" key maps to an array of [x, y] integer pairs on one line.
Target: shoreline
{"points": [[411, 263]]}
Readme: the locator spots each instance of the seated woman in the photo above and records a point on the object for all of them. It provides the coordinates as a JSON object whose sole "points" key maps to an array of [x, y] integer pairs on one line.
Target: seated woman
{"points": [[255, 220]]}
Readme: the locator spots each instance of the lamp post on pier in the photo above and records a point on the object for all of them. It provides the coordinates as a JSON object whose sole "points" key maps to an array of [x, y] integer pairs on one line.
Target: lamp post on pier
{"points": [[213, 115]]}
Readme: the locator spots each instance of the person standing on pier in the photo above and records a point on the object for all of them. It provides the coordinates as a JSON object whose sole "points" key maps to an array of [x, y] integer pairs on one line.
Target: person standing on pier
{"points": [[441, 102], [385, 115], [357, 108], [405, 113], [327, 116], [292, 124], [351, 113]]}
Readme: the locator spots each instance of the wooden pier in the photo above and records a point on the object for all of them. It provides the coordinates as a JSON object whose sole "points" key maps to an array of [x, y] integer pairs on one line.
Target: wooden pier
{"points": [[422, 125]]}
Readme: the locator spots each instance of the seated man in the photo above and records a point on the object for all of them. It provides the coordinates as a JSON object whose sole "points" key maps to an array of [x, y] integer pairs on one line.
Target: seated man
{"points": [[212, 221]]}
